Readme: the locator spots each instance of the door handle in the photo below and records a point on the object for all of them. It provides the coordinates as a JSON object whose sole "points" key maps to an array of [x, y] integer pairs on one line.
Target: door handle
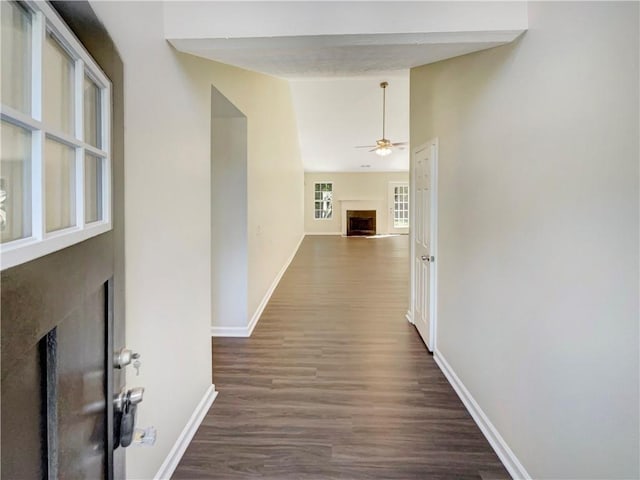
{"points": [[424, 258], [126, 405], [133, 396]]}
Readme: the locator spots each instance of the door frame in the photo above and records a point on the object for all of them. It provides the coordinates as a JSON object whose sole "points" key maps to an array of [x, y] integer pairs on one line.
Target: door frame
{"points": [[433, 266], [391, 208]]}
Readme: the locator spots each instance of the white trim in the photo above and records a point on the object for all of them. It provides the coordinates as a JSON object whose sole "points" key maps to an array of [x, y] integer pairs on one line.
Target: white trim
{"points": [[409, 316], [248, 330], [391, 206], [412, 235], [19, 118], [38, 37], [229, 331], [80, 185], [27, 249], [433, 266], [38, 228], [267, 296], [499, 445], [78, 87], [45, 19], [323, 233], [177, 451], [314, 200], [69, 40]]}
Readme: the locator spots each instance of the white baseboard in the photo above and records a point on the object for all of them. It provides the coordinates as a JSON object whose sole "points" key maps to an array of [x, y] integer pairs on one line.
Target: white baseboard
{"points": [[248, 330], [229, 332], [506, 455], [323, 233], [409, 317], [177, 451], [274, 284]]}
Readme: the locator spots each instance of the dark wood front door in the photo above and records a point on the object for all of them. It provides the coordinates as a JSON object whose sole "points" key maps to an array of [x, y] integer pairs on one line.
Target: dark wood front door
{"points": [[62, 320]]}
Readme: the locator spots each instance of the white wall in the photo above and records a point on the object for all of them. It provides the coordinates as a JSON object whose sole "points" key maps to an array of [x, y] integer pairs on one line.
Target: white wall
{"points": [[189, 19], [538, 234], [229, 250], [373, 187], [168, 215]]}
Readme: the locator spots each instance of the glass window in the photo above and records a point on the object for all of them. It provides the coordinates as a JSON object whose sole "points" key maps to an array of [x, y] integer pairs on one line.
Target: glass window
{"points": [[401, 206], [92, 113], [42, 185], [323, 203], [58, 87], [16, 56], [60, 185], [92, 188], [15, 182]]}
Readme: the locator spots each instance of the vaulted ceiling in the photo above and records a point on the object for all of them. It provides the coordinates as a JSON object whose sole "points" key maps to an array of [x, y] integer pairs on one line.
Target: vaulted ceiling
{"points": [[335, 55], [337, 114]]}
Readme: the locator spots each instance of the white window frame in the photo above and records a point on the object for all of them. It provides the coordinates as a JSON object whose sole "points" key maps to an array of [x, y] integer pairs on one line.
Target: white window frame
{"points": [[315, 184], [45, 19], [394, 186]]}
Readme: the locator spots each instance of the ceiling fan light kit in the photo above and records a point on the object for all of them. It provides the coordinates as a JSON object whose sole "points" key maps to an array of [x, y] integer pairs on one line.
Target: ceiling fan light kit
{"points": [[384, 145]]}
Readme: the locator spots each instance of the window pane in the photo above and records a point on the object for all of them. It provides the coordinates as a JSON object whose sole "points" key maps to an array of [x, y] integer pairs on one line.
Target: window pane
{"points": [[401, 206], [15, 182], [58, 87], [16, 56], [92, 114], [60, 185], [92, 188]]}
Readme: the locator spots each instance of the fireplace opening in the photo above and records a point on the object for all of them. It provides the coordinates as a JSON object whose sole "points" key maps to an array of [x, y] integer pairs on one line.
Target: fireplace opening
{"points": [[361, 222]]}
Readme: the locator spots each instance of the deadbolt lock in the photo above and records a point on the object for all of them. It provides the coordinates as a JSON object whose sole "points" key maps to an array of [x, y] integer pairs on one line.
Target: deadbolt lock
{"points": [[124, 357]]}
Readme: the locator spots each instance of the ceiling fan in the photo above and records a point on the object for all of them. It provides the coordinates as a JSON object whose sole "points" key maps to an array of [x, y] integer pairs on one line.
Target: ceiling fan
{"points": [[383, 146]]}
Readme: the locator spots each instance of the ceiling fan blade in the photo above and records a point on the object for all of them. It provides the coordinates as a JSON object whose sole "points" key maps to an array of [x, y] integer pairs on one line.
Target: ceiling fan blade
{"points": [[365, 146], [373, 149], [400, 144]]}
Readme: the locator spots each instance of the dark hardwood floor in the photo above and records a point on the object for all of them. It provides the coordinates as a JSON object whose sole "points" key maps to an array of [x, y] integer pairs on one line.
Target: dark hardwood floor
{"points": [[334, 383]]}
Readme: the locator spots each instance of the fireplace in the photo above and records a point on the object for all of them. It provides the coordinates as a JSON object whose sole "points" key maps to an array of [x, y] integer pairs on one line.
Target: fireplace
{"points": [[361, 222]]}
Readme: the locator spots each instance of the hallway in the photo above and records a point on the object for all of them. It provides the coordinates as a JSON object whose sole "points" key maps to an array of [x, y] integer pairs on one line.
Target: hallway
{"points": [[335, 383]]}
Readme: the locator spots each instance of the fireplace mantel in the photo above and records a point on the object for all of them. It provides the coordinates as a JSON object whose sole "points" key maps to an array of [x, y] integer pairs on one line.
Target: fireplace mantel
{"points": [[360, 204]]}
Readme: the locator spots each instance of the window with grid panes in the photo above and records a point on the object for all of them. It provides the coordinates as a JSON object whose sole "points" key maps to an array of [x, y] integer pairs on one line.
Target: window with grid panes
{"points": [[401, 206], [323, 200], [55, 166]]}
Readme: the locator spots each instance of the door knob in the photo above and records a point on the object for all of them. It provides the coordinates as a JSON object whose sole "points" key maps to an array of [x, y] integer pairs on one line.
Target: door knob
{"points": [[424, 258]]}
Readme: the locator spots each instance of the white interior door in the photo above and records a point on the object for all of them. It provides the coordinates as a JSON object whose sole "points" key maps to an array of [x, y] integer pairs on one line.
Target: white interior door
{"points": [[398, 207], [422, 238]]}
